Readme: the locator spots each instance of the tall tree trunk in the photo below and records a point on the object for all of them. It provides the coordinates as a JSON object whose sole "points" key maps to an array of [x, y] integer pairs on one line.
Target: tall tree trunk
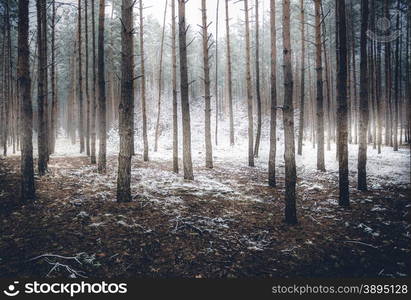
{"points": [[273, 94], [207, 94], [320, 90], [160, 75], [174, 83], [354, 75], [388, 84], [126, 114], [185, 104], [102, 160], [143, 84], [86, 79], [42, 89], [396, 82], [302, 85], [229, 74], [93, 117], [257, 81], [80, 81], [288, 120], [342, 104], [53, 125], [362, 150], [216, 76], [24, 88], [249, 88]]}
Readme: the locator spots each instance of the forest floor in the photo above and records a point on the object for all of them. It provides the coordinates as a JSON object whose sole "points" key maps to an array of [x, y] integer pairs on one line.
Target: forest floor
{"points": [[226, 223]]}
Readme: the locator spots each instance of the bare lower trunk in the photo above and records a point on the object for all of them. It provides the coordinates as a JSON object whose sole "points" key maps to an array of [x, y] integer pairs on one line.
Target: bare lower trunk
{"points": [[229, 74], [93, 117], [126, 115], [102, 160], [185, 104], [257, 82], [207, 94], [273, 94], [24, 84], [175, 107], [302, 86], [288, 120], [249, 88]]}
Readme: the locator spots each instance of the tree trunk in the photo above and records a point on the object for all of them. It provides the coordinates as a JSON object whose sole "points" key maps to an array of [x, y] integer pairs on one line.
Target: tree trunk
{"points": [[80, 82], [207, 94], [24, 88], [126, 115], [185, 104], [362, 150], [93, 117], [143, 84], [288, 120], [53, 125], [257, 81], [249, 88], [229, 74], [216, 77], [86, 79], [160, 75], [342, 104], [302, 86], [320, 96], [174, 83], [273, 94], [396, 82], [42, 88], [101, 93]]}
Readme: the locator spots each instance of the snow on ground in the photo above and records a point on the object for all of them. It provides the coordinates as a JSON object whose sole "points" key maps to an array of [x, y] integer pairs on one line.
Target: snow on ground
{"points": [[389, 167]]}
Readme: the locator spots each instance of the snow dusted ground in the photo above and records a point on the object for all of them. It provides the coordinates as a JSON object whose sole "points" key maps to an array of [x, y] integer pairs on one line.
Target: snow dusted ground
{"points": [[389, 167]]}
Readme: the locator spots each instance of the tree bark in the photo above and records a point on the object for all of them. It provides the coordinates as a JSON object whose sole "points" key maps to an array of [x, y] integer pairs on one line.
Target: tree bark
{"points": [[288, 120], [80, 82], [207, 93], [257, 81], [249, 88], [174, 83], [53, 125], [143, 84], [88, 104], [302, 86], [93, 117], [24, 88], [102, 160], [42, 88], [320, 90], [362, 150], [273, 95], [185, 104], [229, 74], [342, 104], [126, 115]]}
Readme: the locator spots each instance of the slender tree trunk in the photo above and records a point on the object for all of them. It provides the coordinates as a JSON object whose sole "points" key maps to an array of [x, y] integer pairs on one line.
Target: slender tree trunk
{"points": [[388, 84], [126, 115], [42, 89], [80, 82], [249, 88], [288, 120], [93, 117], [185, 104], [320, 96], [342, 104], [207, 94], [160, 75], [229, 74], [302, 86], [24, 88], [273, 94], [257, 81], [143, 84], [362, 150], [174, 83], [216, 77], [88, 105], [396, 82], [102, 160], [354, 75], [53, 129]]}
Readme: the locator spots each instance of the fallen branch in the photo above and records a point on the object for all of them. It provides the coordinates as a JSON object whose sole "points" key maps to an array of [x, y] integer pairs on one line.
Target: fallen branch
{"points": [[361, 243]]}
